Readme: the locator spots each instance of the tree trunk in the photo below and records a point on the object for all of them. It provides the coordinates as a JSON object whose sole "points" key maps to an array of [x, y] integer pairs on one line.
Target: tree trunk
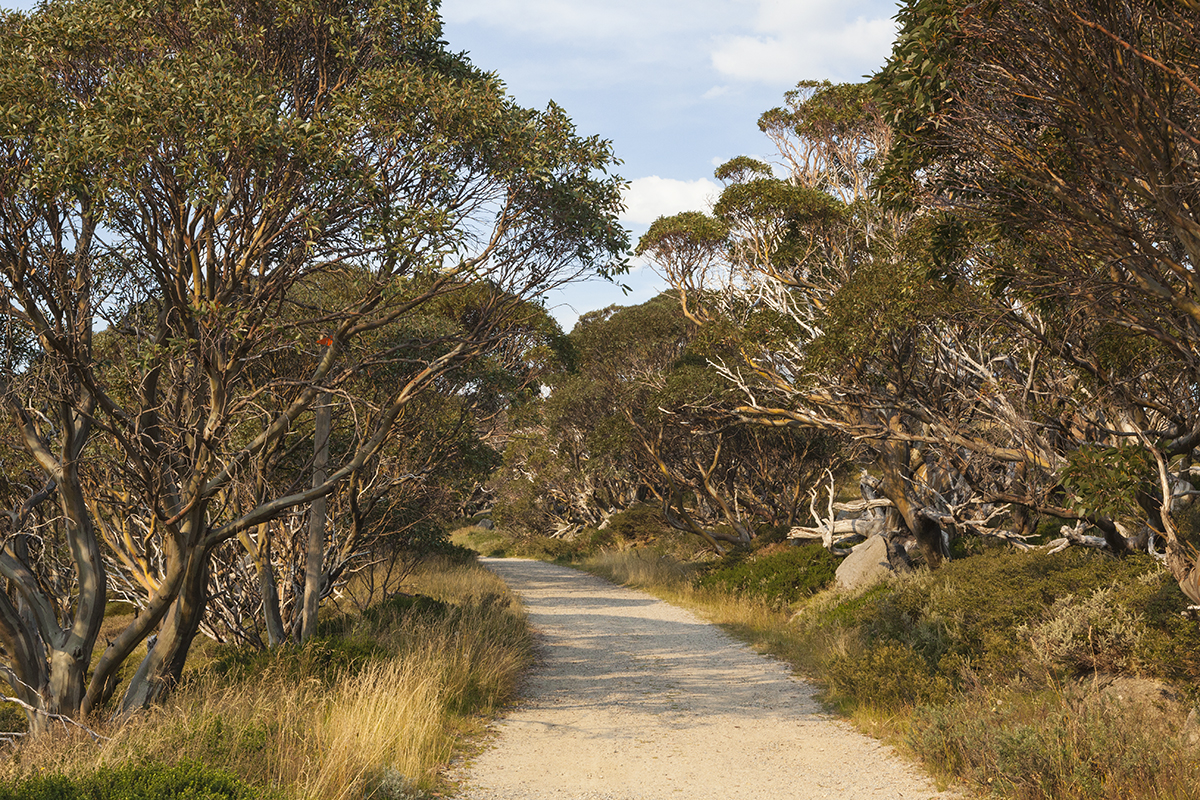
{"points": [[897, 487], [162, 667], [104, 676], [268, 589], [70, 652], [28, 672], [314, 573]]}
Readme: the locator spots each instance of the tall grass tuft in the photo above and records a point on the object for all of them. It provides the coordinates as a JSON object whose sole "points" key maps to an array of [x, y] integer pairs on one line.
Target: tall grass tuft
{"points": [[1047, 745], [643, 568], [389, 716]]}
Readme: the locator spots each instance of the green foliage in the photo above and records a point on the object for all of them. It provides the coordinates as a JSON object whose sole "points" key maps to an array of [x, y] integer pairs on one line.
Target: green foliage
{"points": [[1086, 634], [912, 88], [1168, 644], [638, 523], [485, 542], [771, 198], [679, 235], [882, 308], [783, 576], [985, 615], [821, 111], [1106, 481], [12, 718], [185, 780], [888, 677]]}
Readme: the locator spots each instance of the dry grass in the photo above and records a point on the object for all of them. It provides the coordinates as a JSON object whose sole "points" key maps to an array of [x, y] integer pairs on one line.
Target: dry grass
{"points": [[643, 568], [384, 726]]}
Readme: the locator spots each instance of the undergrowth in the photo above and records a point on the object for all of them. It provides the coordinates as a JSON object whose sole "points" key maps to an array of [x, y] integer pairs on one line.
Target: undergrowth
{"points": [[184, 780]]}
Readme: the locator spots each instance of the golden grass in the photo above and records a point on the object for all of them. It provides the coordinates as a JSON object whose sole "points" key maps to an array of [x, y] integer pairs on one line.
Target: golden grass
{"points": [[396, 720]]}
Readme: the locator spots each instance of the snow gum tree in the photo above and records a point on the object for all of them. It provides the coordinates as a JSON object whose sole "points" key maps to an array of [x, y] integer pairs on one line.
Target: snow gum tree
{"points": [[980, 269], [191, 191], [1065, 132]]}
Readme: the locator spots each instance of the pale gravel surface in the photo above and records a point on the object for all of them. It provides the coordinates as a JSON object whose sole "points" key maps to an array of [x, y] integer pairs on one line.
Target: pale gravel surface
{"points": [[635, 699]]}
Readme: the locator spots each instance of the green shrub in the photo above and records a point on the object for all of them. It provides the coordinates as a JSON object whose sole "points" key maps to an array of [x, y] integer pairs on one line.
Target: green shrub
{"points": [[1086, 634], [182, 781], [1169, 645], [976, 607], [545, 548], [638, 523], [12, 718], [784, 576], [887, 678], [1000, 616], [1045, 746]]}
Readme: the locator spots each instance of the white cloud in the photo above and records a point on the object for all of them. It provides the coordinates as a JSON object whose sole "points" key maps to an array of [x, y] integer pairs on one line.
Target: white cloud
{"points": [[652, 197], [817, 39], [644, 44]]}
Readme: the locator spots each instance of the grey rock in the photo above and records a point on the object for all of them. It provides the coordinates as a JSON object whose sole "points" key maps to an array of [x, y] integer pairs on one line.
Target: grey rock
{"points": [[867, 564], [486, 524]]}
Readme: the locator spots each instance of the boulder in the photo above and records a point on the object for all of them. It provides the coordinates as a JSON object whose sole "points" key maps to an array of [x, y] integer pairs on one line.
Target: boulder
{"points": [[486, 524], [867, 564]]}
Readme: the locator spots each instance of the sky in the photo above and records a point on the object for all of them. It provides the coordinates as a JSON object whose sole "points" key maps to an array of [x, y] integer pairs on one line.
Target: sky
{"points": [[676, 85]]}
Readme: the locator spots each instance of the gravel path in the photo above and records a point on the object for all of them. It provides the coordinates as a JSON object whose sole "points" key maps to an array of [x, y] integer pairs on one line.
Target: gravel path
{"points": [[635, 699]]}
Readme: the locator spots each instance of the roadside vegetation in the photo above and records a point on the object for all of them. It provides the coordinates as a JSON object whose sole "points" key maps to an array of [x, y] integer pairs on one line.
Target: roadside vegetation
{"points": [[1070, 675], [374, 705]]}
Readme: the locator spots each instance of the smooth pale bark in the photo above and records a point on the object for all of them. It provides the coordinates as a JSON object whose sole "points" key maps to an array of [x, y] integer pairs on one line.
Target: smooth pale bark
{"points": [[104, 676], [314, 573], [272, 613], [50, 658], [162, 667]]}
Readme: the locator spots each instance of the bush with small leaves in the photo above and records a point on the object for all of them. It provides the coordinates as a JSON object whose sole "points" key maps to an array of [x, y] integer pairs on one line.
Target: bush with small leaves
{"points": [[783, 576], [1086, 634], [185, 780]]}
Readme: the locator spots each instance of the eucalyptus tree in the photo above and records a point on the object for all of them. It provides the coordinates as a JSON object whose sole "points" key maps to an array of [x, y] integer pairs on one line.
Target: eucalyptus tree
{"points": [[195, 176], [849, 324], [777, 259], [640, 418], [1065, 131]]}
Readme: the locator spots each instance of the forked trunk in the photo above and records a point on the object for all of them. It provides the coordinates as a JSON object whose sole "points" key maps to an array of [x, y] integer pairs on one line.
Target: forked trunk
{"points": [[162, 667]]}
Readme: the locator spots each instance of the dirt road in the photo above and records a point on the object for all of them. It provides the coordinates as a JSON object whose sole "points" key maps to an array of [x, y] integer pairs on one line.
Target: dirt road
{"points": [[635, 699]]}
